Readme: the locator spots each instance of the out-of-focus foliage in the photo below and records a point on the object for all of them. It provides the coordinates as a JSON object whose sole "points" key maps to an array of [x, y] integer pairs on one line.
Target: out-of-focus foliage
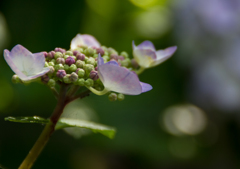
{"points": [[189, 120]]}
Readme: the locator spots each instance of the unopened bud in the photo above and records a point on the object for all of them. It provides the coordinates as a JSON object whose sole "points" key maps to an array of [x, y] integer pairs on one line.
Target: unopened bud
{"points": [[51, 83], [114, 56], [45, 78], [66, 67], [112, 51], [106, 58], [51, 64], [126, 62], [124, 54], [88, 68], [73, 68], [73, 77], [66, 79], [80, 72], [80, 64], [16, 79], [89, 82], [80, 82], [100, 50], [70, 53], [70, 60], [60, 50], [46, 64], [91, 61], [52, 70], [45, 54], [75, 52], [112, 97], [61, 73], [58, 55], [89, 51], [60, 60], [94, 75], [51, 54], [59, 67], [80, 56], [121, 58], [120, 97]]}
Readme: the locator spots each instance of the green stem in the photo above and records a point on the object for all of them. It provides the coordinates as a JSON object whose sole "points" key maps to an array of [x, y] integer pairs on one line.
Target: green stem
{"points": [[47, 132], [104, 91], [140, 70]]}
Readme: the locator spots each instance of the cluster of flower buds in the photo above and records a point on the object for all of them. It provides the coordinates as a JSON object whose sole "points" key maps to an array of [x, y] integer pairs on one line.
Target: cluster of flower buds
{"points": [[87, 63]]}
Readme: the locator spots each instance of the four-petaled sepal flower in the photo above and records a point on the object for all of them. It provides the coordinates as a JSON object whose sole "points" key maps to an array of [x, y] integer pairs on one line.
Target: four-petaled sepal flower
{"points": [[119, 79], [84, 40], [146, 55], [25, 64]]}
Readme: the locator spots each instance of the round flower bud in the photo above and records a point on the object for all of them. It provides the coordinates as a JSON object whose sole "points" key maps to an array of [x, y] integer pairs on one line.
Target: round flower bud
{"points": [[53, 60], [124, 54], [60, 50], [89, 82], [80, 72], [80, 64], [73, 68], [66, 79], [95, 55], [65, 56], [80, 56], [59, 67], [45, 79], [58, 55], [91, 61], [134, 63], [16, 79], [94, 75], [80, 82], [61, 73], [45, 54], [51, 64], [51, 54], [112, 51], [114, 56], [106, 58], [66, 67], [89, 51], [125, 62], [73, 77], [60, 60], [88, 67], [52, 70], [75, 52], [100, 50], [112, 96], [51, 82], [121, 58], [70, 53], [70, 60], [46, 64], [120, 97]]}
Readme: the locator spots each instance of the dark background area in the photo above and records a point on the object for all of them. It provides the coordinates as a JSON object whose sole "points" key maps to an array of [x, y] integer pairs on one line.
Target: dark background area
{"points": [[190, 120]]}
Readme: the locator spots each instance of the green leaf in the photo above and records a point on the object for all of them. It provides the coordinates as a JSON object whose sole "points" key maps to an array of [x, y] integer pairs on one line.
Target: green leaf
{"points": [[95, 127], [34, 119]]}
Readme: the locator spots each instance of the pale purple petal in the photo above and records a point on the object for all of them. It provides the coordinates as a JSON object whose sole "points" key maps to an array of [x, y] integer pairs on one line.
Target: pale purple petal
{"points": [[163, 55], [84, 39], [100, 60], [145, 87], [145, 45], [112, 63], [43, 72], [119, 79]]}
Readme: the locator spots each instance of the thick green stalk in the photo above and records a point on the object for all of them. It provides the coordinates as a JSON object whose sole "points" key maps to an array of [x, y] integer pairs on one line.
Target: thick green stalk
{"points": [[47, 132]]}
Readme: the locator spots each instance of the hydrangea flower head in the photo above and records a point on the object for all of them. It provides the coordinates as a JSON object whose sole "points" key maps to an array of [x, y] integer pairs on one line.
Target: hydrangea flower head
{"points": [[119, 79], [84, 40], [25, 64], [146, 55]]}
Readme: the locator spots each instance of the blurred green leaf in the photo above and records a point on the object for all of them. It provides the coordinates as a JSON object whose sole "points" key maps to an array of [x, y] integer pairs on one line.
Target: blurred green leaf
{"points": [[34, 119], [95, 127]]}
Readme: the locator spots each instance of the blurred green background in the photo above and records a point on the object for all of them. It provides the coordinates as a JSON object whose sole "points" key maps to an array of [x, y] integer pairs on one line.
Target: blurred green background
{"points": [[190, 120]]}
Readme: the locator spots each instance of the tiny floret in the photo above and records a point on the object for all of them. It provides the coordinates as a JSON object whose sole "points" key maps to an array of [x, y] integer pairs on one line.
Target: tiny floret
{"points": [[84, 40], [25, 64], [146, 55]]}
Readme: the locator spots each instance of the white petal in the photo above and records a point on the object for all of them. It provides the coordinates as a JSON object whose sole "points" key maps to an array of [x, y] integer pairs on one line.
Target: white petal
{"points": [[85, 39]]}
